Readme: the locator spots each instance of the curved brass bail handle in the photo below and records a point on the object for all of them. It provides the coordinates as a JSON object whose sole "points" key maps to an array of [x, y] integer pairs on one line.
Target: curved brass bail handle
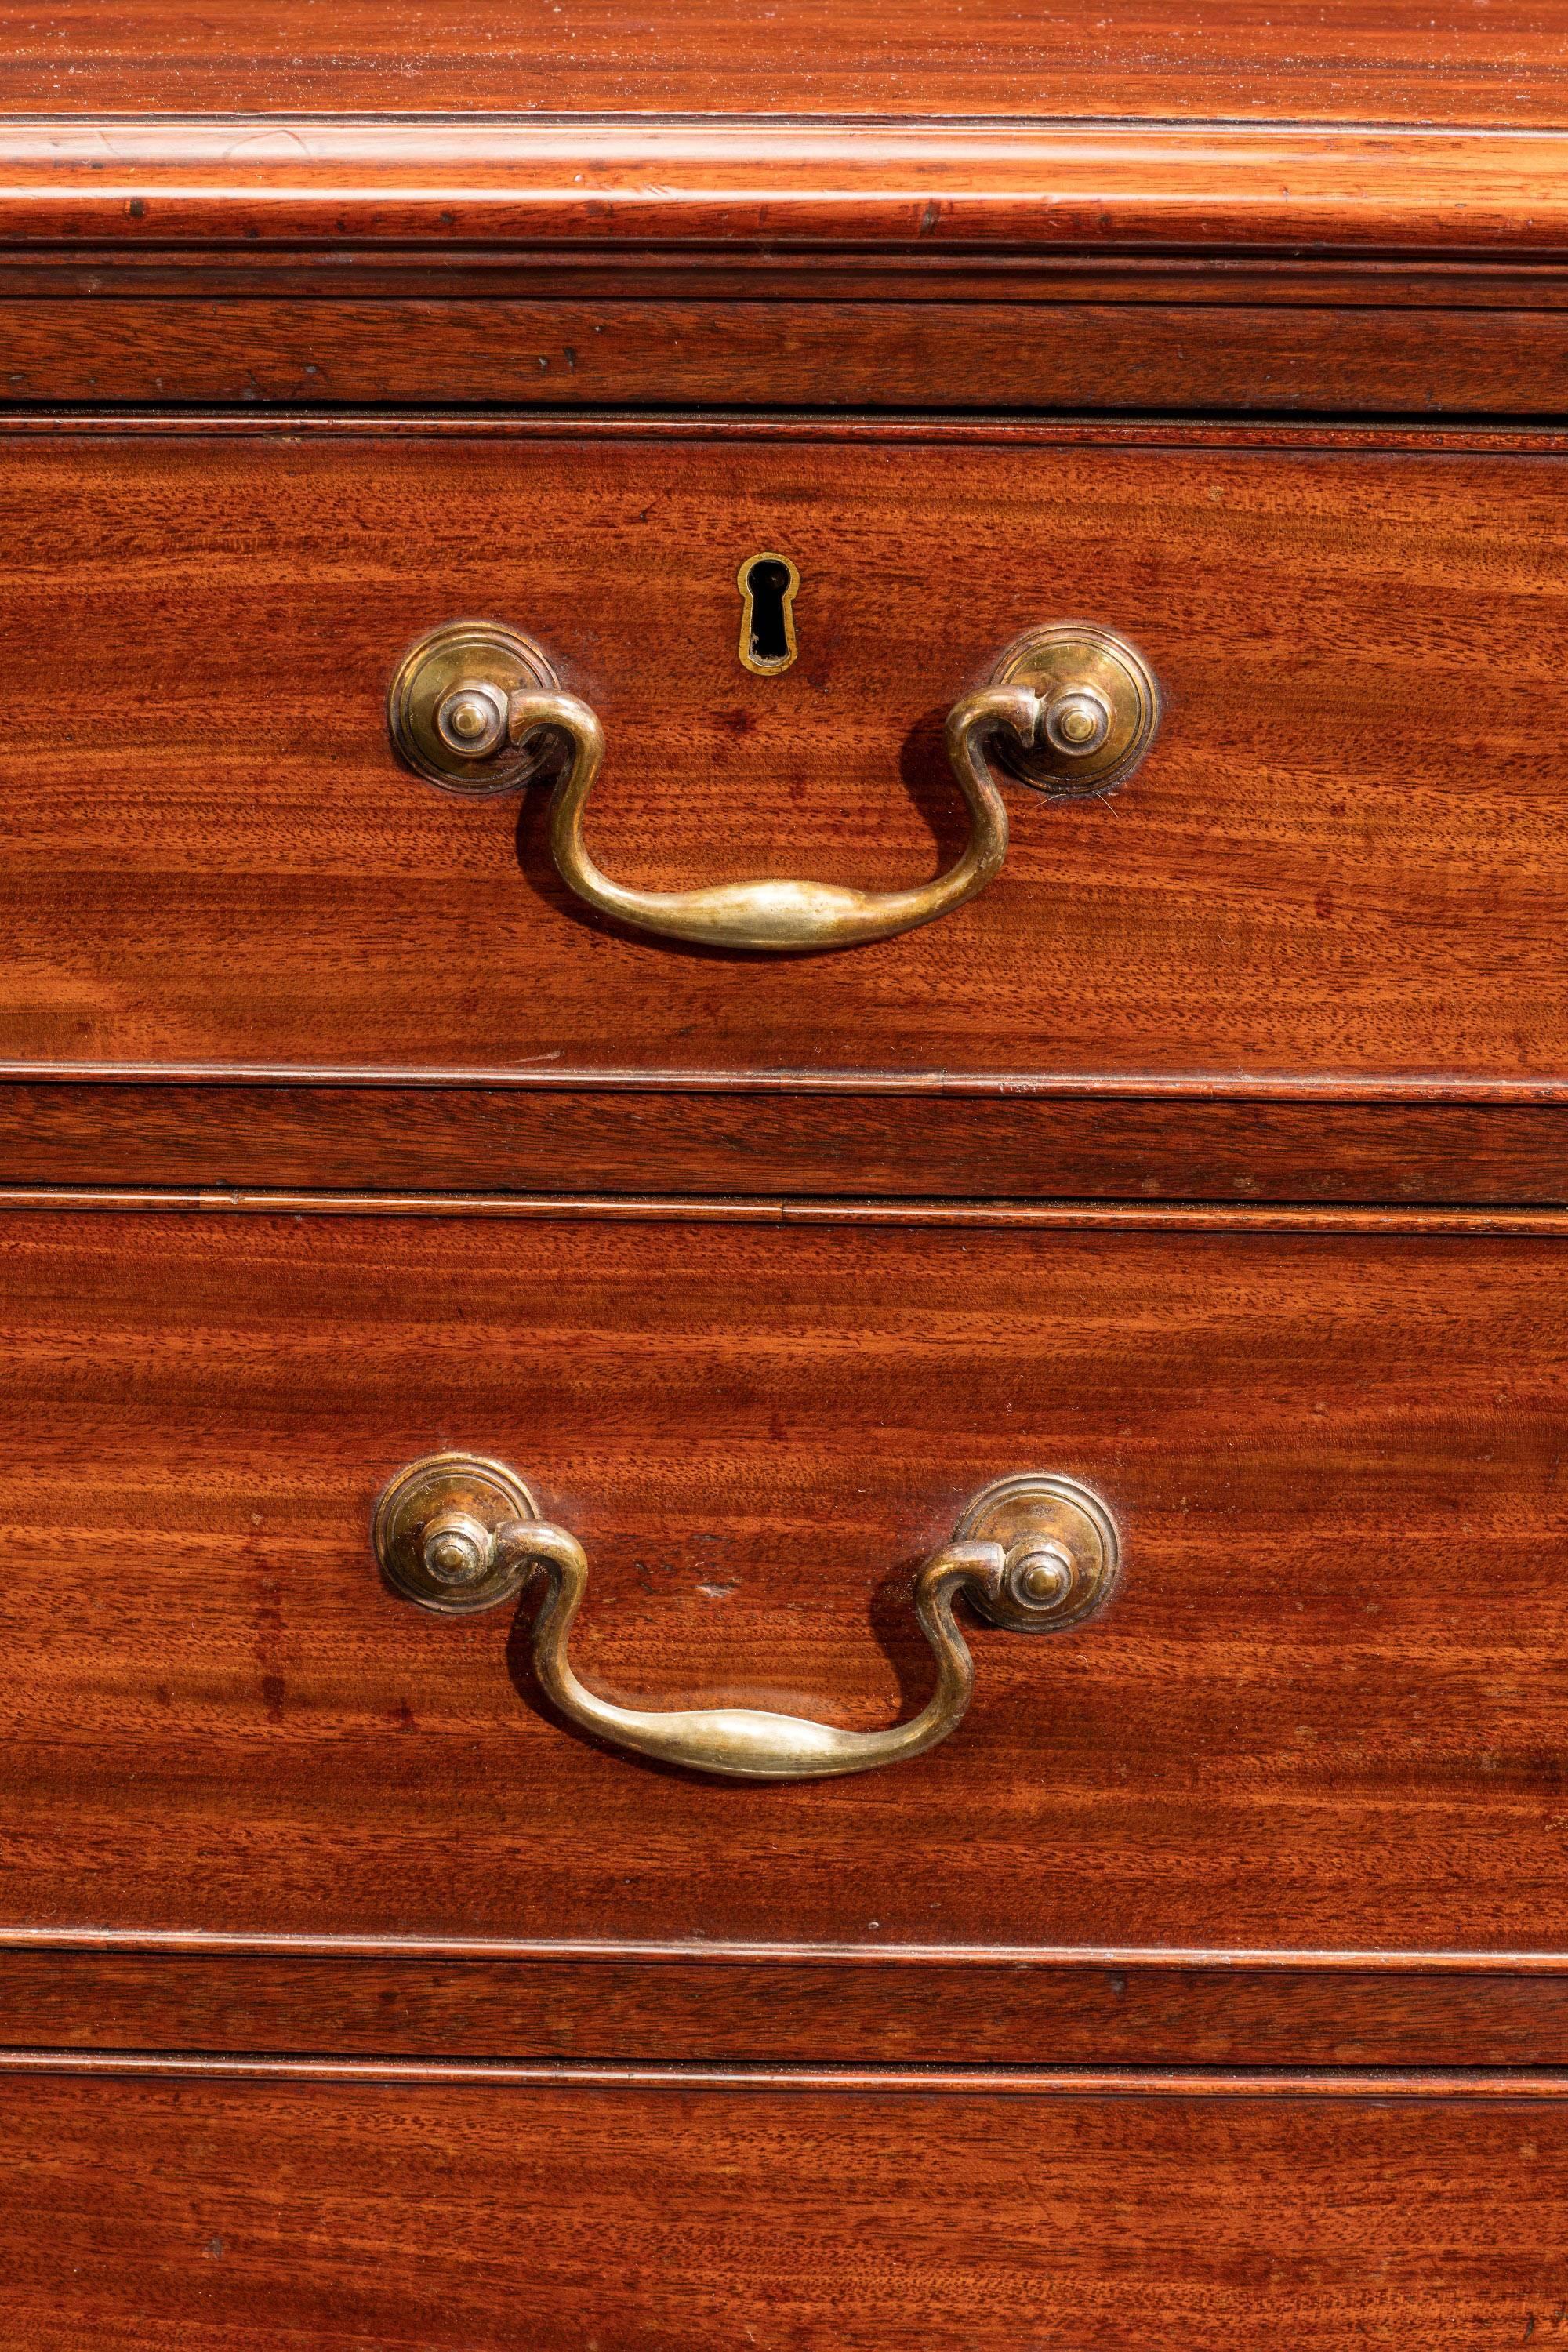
{"points": [[746, 1743], [1033, 1553], [1070, 710], [784, 917]]}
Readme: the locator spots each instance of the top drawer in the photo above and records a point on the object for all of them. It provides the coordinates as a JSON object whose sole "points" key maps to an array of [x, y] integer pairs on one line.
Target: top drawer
{"points": [[1342, 855]]}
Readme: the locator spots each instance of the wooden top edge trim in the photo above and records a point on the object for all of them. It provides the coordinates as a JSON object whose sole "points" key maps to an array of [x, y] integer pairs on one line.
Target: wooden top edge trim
{"points": [[734, 131], [252, 143], [195, 1943], [288, 147], [1489, 2083], [1099, 1216], [929, 184], [543, 1078]]}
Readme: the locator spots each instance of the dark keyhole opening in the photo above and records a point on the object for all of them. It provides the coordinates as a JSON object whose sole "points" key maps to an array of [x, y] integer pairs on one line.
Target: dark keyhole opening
{"points": [[767, 584]]}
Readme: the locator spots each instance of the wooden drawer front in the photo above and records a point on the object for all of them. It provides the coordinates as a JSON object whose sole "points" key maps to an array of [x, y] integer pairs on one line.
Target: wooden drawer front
{"points": [[1327, 1708], [468, 2214], [1343, 855], [744, 1138]]}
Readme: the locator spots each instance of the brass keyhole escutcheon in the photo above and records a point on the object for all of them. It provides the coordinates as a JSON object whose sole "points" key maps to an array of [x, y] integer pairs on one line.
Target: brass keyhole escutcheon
{"points": [[767, 584]]}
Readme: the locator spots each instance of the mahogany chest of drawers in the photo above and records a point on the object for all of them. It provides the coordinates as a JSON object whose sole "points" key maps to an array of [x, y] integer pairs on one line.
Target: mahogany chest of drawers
{"points": [[783, 1109]]}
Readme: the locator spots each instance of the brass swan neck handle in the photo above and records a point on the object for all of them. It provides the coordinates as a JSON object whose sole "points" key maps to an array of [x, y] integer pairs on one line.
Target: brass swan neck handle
{"points": [[1070, 708], [747, 1743], [777, 916], [456, 1533]]}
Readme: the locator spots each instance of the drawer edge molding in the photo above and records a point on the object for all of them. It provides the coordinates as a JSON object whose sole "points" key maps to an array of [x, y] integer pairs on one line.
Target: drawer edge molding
{"points": [[195, 1942], [936, 1139], [1099, 1216], [1162, 431], [1492, 2083], [228, 1998], [1200, 1085]]}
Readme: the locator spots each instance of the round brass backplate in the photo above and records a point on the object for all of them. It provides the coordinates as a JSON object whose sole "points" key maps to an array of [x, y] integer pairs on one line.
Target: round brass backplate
{"points": [[1063, 1555], [460, 671], [1097, 688], [463, 1497]]}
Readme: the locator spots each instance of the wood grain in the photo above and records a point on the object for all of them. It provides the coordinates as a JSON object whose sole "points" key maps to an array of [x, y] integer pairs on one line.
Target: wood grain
{"points": [[1505, 2086], [461, 2217], [932, 2009], [1323, 1712], [1336, 860], [797, 354], [1208, 1988], [1231, 1218], [1457, 62], [768, 429], [810, 354], [750, 273], [792, 1142]]}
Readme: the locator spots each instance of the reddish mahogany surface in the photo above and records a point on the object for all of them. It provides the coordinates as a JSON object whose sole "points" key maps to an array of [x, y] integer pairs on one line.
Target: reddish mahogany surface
{"points": [[1342, 856], [1459, 61], [930, 350], [792, 1142], [1296, 1800], [762, 262], [927, 2008], [927, 186], [147, 2216], [1324, 1711]]}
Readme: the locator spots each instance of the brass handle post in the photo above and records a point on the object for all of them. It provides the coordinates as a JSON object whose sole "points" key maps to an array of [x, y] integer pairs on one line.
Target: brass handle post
{"points": [[456, 1533], [1067, 710]]}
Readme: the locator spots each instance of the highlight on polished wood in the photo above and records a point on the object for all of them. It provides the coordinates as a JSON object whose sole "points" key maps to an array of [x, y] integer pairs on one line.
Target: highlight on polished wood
{"points": [[683, 178]]}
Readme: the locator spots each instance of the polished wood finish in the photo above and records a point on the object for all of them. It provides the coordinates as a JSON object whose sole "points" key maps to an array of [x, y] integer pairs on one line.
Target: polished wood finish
{"points": [[915, 1142], [683, 180], [458, 2216], [574, 327], [664, 1208], [1208, 1988], [1310, 356], [196, 868], [1479, 437], [1333, 1460], [924, 2007], [688, 261], [1455, 63]]}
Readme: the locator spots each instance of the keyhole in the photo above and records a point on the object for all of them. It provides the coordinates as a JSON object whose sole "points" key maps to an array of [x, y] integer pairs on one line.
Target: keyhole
{"points": [[767, 584]]}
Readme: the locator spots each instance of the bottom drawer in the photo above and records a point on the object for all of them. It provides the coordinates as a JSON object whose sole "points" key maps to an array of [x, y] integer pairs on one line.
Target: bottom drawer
{"points": [[477, 2209], [1325, 1711]]}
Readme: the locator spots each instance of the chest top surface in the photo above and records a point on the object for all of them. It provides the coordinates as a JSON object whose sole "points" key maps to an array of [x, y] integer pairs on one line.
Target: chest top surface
{"points": [[1319, 129], [1460, 62]]}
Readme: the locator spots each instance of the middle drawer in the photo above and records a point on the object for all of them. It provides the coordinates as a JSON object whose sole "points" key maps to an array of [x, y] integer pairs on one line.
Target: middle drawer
{"points": [[1324, 1707]]}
